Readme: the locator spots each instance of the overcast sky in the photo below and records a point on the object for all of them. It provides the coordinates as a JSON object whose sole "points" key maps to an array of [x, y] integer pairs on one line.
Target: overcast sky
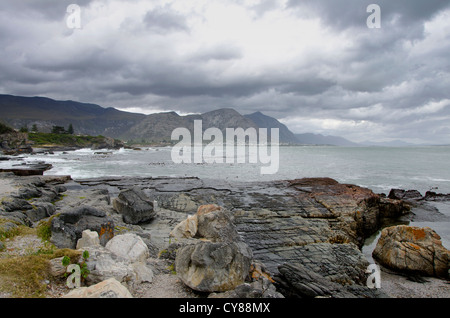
{"points": [[313, 64]]}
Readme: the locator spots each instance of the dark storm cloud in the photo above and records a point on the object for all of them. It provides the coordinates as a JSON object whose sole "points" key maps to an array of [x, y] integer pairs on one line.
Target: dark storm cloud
{"points": [[352, 13], [333, 77]]}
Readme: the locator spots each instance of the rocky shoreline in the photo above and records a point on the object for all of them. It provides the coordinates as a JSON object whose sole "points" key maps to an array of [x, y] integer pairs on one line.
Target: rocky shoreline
{"points": [[292, 238]]}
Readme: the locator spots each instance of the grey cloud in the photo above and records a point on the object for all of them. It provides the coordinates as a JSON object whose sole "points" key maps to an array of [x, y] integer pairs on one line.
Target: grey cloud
{"points": [[53, 10], [222, 52], [163, 19], [352, 13], [138, 65]]}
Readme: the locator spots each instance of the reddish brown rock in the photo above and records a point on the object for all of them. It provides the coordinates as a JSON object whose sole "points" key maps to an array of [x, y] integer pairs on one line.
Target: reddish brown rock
{"points": [[413, 249]]}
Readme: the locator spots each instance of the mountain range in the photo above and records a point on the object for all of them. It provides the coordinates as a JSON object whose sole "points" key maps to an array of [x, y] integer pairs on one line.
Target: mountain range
{"points": [[92, 119]]}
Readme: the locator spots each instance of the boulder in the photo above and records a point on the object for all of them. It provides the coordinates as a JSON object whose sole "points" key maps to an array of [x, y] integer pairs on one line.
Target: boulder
{"points": [[67, 228], [210, 222], [129, 246], [134, 205], [104, 264], [56, 268], [88, 238], [109, 288], [412, 249], [185, 229], [125, 266], [213, 267], [213, 257], [216, 225], [400, 194]]}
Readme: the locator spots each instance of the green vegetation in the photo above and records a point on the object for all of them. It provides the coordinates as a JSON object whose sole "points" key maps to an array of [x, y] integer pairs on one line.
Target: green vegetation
{"points": [[40, 139], [4, 129], [24, 276], [66, 261], [10, 229], [62, 130]]}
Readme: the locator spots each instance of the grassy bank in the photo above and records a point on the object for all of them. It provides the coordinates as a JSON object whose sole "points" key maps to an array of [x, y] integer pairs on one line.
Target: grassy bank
{"points": [[41, 139]]}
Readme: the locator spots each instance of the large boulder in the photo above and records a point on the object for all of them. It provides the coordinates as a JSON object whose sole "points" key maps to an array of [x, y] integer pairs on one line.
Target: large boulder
{"points": [[212, 256], [104, 264], [412, 249], [213, 267], [210, 222], [135, 206], [129, 246]]}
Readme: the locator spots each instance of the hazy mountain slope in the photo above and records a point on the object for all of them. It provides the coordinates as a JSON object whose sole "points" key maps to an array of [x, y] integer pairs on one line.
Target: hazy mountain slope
{"points": [[93, 119], [86, 118], [264, 121], [317, 139]]}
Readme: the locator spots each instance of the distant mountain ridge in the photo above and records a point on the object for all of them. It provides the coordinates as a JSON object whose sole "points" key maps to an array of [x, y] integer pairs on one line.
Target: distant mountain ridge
{"points": [[92, 119], [264, 121], [318, 139], [87, 119]]}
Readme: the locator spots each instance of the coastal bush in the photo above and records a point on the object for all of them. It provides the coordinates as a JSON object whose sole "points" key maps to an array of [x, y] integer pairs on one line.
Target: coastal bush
{"points": [[40, 138], [43, 230], [4, 129], [84, 271]]}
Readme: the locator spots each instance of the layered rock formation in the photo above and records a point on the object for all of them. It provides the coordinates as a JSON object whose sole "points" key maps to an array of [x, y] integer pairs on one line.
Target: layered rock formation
{"points": [[306, 234], [314, 224]]}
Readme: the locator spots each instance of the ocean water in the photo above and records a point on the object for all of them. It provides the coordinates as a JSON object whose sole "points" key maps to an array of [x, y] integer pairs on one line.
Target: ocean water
{"points": [[377, 168]]}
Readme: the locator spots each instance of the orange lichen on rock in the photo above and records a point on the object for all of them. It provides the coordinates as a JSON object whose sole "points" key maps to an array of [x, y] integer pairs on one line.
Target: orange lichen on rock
{"points": [[256, 272], [415, 246], [418, 233]]}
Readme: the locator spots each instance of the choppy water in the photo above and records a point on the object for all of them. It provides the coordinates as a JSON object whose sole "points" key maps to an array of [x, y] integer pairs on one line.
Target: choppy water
{"points": [[377, 168]]}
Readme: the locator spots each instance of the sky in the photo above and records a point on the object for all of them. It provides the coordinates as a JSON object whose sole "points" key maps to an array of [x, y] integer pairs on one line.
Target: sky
{"points": [[315, 65]]}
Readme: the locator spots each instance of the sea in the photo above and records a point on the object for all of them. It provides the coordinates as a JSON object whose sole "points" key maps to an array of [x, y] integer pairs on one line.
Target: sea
{"points": [[424, 168]]}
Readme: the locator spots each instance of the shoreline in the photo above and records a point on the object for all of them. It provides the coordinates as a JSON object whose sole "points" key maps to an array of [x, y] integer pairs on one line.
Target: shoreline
{"points": [[180, 197]]}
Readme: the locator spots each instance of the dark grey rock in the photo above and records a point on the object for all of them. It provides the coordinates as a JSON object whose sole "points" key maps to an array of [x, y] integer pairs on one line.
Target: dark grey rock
{"points": [[67, 228], [16, 204], [297, 281], [40, 211], [217, 226], [17, 217], [135, 206], [213, 267]]}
